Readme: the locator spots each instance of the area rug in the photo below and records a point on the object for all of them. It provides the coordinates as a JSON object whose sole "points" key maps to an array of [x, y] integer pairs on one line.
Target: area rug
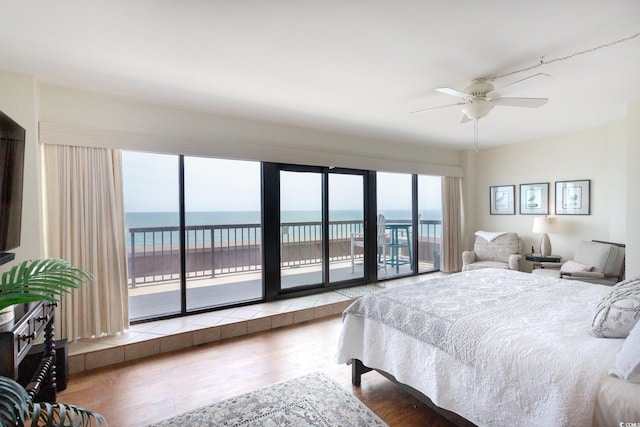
{"points": [[311, 400]]}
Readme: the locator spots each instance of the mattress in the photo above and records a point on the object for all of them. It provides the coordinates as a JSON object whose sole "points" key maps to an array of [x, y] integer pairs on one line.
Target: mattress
{"points": [[533, 363]]}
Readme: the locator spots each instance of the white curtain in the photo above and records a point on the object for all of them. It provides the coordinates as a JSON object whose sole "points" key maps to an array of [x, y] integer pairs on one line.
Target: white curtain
{"points": [[85, 226], [451, 224]]}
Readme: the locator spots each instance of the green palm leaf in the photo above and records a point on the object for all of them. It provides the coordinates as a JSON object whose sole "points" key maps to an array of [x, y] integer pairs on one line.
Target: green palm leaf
{"points": [[40, 279], [13, 402], [58, 414], [16, 404]]}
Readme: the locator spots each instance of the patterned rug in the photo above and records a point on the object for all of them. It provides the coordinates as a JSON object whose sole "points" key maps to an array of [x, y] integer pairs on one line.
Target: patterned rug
{"points": [[311, 400]]}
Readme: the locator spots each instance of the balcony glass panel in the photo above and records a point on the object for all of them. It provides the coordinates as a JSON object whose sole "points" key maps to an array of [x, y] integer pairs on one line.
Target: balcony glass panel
{"points": [[346, 219], [152, 225], [223, 232], [395, 203], [300, 229], [429, 223]]}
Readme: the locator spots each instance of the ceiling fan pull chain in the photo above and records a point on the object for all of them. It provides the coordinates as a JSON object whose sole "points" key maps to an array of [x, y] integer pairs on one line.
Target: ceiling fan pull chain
{"points": [[475, 136]]}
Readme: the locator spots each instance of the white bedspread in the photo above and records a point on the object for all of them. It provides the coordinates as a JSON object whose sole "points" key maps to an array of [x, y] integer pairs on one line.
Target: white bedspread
{"points": [[514, 348]]}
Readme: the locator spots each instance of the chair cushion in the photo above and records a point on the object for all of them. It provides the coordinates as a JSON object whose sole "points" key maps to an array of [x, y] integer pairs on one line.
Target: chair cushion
{"points": [[574, 267], [498, 249], [485, 264], [619, 310], [604, 257]]}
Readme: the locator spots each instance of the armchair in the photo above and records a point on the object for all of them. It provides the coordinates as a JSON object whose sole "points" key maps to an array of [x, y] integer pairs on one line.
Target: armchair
{"points": [[594, 262], [493, 250]]}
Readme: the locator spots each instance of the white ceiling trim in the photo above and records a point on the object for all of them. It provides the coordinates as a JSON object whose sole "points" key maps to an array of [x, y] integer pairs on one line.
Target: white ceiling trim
{"points": [[59, 134]]}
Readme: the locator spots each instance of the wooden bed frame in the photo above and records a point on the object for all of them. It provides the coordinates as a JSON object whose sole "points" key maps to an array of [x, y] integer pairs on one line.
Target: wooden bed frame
{"points": [[358, 368]]}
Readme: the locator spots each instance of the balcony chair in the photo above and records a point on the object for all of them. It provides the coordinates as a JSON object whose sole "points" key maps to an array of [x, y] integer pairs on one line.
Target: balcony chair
{"points": [[357, 240], [493, 250], [594, 262]]}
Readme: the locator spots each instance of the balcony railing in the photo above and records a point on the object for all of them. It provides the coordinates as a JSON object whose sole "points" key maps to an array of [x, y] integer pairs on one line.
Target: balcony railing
{"points": [[153, 253]]}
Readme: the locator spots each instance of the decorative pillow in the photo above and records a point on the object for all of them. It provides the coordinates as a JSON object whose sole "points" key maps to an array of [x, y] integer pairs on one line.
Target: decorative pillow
{"points": [[619, 311], [627, 365], [574, 267]]}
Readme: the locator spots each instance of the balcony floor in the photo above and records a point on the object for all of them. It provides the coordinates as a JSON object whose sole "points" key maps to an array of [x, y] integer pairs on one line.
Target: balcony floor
{"points": [[160, 299]]}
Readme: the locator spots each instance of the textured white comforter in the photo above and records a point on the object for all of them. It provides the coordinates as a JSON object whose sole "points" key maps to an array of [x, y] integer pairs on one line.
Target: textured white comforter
{"points": [[498, 347]]}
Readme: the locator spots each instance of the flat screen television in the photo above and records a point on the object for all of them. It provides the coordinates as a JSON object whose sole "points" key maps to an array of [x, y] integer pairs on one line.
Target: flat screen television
{"points": [[12, 142]]}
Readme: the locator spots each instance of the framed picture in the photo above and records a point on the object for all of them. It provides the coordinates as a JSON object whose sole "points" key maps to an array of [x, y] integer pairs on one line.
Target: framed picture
{"points": [[502, 200], [534, 199], [573, 198]]}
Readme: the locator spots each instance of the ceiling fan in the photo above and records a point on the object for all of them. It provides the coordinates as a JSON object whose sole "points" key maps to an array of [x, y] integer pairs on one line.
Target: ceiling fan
{"points": [[479, 98]]}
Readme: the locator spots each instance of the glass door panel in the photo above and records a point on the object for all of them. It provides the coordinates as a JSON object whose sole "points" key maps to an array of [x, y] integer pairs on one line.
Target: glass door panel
{"points": [[429, 223], [152, 220], [223, 232], [394, 196], [346, 227], [301, 231]]}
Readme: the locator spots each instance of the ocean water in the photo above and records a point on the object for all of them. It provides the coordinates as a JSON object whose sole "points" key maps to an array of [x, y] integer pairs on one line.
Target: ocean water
{"points": [[164, 219], [249, 219]]}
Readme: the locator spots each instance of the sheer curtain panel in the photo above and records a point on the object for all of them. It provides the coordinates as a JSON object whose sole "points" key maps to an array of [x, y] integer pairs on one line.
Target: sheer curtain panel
{"points": [[451, 224], [85, 226]]}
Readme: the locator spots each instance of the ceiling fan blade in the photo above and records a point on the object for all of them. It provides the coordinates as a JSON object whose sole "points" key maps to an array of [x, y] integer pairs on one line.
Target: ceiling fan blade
{"points": [[521, 102], [452, 92], [435, 108], [523, 83]]}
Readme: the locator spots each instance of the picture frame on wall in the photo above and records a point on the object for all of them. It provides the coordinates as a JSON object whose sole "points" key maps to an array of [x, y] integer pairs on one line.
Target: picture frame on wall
{"points": [[534, 199], [573, 197], [502, 200]]}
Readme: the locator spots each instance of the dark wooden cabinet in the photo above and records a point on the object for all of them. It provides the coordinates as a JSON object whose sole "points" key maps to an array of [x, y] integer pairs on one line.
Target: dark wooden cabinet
{"points": [[32, 321]]}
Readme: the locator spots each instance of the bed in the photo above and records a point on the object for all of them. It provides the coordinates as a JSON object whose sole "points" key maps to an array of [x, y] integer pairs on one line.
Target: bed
{"points": [[493, 347]]}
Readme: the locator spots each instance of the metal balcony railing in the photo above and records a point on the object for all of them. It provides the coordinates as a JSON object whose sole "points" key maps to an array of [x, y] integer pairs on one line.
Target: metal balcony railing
{"points": [[153, 253]]}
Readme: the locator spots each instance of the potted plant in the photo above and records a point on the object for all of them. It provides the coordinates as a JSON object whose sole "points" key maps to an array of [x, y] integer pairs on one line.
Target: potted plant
{"points": [[31, 281]]}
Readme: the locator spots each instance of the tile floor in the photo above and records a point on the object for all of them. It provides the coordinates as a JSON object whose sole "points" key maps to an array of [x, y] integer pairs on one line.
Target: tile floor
{"points": [[147, 339]]}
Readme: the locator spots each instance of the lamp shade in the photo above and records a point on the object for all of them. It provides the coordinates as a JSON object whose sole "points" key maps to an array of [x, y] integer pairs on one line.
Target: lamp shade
{"points": [[543, 225]]}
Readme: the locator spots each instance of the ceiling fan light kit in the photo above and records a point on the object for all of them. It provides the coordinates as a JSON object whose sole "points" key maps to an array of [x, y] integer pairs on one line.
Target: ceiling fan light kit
{"points": [[479, 98]]}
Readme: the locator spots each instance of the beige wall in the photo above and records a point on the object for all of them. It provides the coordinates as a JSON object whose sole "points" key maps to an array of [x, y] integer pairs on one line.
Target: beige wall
{"points": [[164, 129], [601, 155], [18, 100], [633, 191]]}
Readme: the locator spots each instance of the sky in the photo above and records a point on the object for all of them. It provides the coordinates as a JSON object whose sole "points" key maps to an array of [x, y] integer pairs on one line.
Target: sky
{"points": [[151, 185]]}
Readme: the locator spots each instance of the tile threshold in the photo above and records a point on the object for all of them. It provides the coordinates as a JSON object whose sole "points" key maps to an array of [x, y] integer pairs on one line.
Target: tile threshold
{"points": [[162, 336]]}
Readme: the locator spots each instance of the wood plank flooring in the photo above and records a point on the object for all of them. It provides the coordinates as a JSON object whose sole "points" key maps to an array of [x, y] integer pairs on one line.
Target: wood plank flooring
{"points": [[135, 393]]}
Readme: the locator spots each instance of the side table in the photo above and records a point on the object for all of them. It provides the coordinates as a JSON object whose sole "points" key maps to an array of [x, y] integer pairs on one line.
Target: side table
{"points": [[538, 259]]}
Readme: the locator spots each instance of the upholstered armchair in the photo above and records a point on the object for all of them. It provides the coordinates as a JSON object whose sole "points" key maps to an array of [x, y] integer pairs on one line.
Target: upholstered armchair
{"points": [[593, 262], [493, 250]]}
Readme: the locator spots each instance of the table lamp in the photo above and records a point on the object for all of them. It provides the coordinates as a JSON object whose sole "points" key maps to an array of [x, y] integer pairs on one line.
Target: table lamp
{"points": [[544, 225]]}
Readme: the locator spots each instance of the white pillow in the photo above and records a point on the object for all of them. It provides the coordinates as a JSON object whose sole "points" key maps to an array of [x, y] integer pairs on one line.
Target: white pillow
{"points": [[574, 267], [627, 365], [618, 311]]}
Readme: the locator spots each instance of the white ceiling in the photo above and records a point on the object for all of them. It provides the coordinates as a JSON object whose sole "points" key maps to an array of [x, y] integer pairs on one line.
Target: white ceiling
{"points": [[358, 66]]}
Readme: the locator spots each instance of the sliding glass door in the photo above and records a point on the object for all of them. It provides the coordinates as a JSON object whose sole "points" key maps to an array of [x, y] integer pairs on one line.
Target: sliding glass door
{"points": [[194, 233], [321, 227]]}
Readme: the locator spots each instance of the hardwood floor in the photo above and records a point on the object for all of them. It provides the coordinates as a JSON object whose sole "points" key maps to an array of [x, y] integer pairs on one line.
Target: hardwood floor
{"points": [[138, 392]]}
